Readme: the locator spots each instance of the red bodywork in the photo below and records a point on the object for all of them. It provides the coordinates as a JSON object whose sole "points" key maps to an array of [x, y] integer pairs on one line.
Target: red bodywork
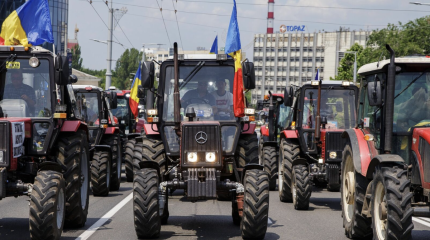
{"points": [[148, 128], [416, 135], [264, 131], [122, 92], [290, 133], [251, 128]]}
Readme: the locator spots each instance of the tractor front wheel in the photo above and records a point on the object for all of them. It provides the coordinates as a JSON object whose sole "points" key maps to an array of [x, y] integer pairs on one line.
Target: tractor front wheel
{"points": [[301, 187], [114, 141], [100, 173], [128, 159], [47, 206], [270, 162], [391, 204], [289, 152], [255, 205]]}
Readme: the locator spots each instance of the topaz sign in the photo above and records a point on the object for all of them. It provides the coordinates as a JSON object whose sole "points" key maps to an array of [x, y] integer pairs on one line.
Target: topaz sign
{"points": [[299, 28]]}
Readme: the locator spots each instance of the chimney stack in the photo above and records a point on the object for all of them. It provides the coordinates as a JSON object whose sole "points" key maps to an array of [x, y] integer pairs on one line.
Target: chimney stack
{"points": [[270, 16]]}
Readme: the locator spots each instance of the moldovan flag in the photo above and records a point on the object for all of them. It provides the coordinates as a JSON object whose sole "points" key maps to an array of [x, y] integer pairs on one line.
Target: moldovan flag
{"points": [[214, 48], [134, 100], [29, 25], [233, 48]]}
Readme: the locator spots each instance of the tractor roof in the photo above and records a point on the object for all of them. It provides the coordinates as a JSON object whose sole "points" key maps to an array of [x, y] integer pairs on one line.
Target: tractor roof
{"points": [[34, 49], [372, 67], [87, 87], [328, 82]]}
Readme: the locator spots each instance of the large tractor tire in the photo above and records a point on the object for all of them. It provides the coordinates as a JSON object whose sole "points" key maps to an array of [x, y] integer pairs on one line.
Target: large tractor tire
{"points": [[101, 173], [270, 163], [247, 150], [301, 187], [128, 159], [255, 205], [353, 192], [147, 221], [391, 204], [260, 149], [73, 155], [150, 149], [47, 206], [289, 151], [114, 141]]}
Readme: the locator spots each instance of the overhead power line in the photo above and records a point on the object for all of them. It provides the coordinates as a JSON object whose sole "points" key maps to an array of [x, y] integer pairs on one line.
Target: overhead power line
{"points": [[162, 17], [117, 22], [177, 24]]}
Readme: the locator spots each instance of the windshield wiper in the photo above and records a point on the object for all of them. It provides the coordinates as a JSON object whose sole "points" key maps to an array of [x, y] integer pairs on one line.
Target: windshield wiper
{"points": [[11, 57], [410, 84], [195, 70]]}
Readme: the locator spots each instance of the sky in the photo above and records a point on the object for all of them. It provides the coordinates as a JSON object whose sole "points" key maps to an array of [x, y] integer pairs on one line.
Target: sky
{"points": [[199, 21]]}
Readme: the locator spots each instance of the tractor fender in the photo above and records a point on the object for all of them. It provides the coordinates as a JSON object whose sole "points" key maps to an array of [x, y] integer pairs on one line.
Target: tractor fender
{"points": [[54, 166], [248, 128], [151, 129], [270, 143], [300, 161], [150, 164], [74, 126], [106, 148], [289, 134], [251, 166], [264, 131], [360, 150], [383, 159], [133, 136], [112, 130]]}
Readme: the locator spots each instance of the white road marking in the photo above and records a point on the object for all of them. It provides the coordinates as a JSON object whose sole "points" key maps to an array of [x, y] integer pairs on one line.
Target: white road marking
{"points": [[421, 221], [90, 231], [269, 221]]}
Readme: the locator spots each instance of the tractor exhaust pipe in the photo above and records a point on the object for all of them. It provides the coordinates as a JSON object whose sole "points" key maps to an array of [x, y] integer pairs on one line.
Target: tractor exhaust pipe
{"points": [[318, 117], [176, 97], [389, 104], [271, 117]]}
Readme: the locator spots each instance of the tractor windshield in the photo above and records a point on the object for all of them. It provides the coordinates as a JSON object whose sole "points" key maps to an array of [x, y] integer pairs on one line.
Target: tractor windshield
{"points": [[25, 91], [412, 101], [88, 105], [209, 92], [122, 112], [337, 107]]}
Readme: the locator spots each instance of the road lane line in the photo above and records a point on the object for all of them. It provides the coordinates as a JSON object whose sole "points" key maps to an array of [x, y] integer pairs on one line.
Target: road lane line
{"points": [[421, 221], [424, 219], [90, 231], [269, 221]]}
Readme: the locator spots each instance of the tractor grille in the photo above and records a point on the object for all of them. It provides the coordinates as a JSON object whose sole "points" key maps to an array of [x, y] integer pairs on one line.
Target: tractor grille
{"points": [[213, 138], [334, 143], [425, 158], [4, 142]]}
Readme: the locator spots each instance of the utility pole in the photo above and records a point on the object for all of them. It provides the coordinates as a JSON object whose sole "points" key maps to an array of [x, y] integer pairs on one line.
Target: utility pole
{"points": [[109, 45]]}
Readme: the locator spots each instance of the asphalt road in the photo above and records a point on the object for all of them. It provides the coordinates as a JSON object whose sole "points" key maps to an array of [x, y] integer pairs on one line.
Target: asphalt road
{"points": [[201, 220]]}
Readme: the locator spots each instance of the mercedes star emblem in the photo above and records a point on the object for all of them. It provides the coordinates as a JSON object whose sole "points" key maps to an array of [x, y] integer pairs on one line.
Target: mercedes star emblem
{"points": [[201, 137]]}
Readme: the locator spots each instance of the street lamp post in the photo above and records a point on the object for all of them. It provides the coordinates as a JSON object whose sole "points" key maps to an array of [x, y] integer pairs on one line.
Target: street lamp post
{"points": [[355, 63], [419, 3]]}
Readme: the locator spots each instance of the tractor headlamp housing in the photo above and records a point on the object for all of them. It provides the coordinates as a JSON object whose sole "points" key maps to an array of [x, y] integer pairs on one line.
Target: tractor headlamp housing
{"points": [[210, 157], [34, 62], [192, 157], [333, 155], [152, 112]]}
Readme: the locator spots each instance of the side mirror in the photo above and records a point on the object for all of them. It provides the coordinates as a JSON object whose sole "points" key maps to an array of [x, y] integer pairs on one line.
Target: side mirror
{"points": [[374, 93], [260, 105], [147, 75], [140, 92], [73, 79], [339, 107], [62, 70], [248, 75], [113, 100], [288, 96]]}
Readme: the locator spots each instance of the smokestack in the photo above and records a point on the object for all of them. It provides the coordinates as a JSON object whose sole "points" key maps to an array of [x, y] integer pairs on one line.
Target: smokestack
{"points": [[270, 16]]}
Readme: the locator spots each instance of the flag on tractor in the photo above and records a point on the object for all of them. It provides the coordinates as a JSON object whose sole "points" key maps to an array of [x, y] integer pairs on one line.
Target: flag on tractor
{"points": [[317, 76], [233, 48], [214, 48], [28, 25], [134, 100]]}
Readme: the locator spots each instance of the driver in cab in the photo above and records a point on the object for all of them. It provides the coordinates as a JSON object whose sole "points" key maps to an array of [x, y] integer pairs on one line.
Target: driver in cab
{"points": [[18, 90], [199, 95]]}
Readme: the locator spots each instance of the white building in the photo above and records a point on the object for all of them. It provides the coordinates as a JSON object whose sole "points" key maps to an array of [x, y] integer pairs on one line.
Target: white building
{"points": [[282, 59]]}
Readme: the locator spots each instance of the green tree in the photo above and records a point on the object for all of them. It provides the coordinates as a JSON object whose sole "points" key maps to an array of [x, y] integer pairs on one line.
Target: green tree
{"points": [[76, 57], [126, 64], [346, 65]]}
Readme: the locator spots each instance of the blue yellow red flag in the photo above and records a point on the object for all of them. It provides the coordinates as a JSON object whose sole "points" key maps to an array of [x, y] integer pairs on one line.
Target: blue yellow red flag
{"points": [[28, 25], [214, 48], [134, 100], [233, 48]]}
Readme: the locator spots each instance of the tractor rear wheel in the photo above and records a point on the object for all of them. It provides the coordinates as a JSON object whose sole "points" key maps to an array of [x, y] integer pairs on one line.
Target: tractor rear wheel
{"points": [[353, 192], [150, 149], [247, 150], [47, 206], [101, 173], [114, 141], [289, 151], [128, 159], [73, 155], [255, 205], [391, 204], [301, 187], [147, 221], [270, 161]]}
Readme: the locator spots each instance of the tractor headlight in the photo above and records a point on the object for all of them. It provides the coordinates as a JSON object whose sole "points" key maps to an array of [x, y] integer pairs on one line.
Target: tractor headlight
{"points": [[1, 157], [34, 62], [192, 157], [249, 111], [210, 157], [152, 112], [333, 155]]}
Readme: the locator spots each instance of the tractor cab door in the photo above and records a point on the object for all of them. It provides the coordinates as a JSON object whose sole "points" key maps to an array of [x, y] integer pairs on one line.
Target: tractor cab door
{"points": [[88, 104]]}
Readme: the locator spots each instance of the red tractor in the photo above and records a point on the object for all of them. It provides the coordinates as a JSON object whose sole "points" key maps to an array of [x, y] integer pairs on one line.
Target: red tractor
{"points": [[43, 145], [386, 162], [194, 142], [95, 106], [269, 134], [311, 143]]}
